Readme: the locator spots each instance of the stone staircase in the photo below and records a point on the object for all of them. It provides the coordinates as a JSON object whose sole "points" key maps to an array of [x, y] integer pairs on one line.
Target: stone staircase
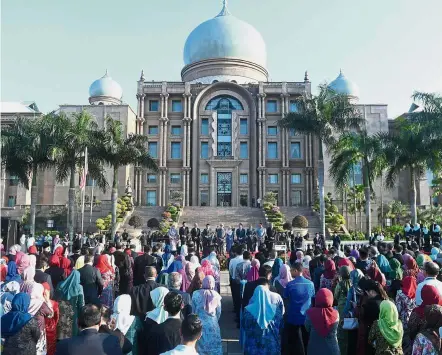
{"points": [[229, 216], [145, 213], [314, 224]]}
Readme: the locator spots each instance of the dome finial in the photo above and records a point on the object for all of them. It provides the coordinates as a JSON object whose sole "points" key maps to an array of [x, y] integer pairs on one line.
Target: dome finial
{"points": [[340, 71], [224, 11], [142, 75], [306, 76]]}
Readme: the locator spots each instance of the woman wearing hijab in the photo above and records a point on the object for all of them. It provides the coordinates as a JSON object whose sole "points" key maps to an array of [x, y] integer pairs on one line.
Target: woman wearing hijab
{"points": [[275, 269], [23, 263], [66, 266], [12, 274], [28, 273], [184, 251], [329, 275], [340, 295], [39, 308], [412, 268], [54, 270], [19, 329], [322, 323], [229, 239], [51, 323], [197, 282], [346, 262], [386, 333], [253, 273], [434, 252], [210, 270], [430, 295], [167, 257], [108, 276], [405, 299], [428, 341], [420, 260], [79, 263], [383, 264], [306, 266], [206, 303], [158, 315], [283, 279], [262, 322], [127, 324], [191, 267]]}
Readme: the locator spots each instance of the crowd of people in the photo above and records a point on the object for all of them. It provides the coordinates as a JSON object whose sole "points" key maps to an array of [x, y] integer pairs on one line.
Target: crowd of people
{"points": [[109, 299]]}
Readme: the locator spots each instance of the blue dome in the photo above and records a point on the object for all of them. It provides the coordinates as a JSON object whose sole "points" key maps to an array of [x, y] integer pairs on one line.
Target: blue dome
{"points": [[342, 85], [106, 86], [225, 36]]}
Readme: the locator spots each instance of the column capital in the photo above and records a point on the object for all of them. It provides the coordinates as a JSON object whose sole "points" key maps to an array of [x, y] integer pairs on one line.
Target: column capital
{"points": [[141, 119], [164, 119], [186, 168], [162, 169], [262, 95], [286, 169], [262, 119], [262, 169], [187, 119], [164, 95], [187, 94]]}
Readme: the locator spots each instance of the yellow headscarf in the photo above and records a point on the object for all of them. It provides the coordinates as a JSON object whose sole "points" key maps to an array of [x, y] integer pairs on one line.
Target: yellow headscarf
{"points": [[79, 263]]}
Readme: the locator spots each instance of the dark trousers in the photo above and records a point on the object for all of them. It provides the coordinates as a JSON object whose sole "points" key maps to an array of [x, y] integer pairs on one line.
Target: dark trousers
{"points": [[295, 340], [236, 297]]}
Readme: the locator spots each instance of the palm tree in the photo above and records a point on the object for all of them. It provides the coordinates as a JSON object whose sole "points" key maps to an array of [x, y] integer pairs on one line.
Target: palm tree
{"points": [[73, 134], [26, 150], [324, 116], [353, 149], [408, 148], [116, 150]]}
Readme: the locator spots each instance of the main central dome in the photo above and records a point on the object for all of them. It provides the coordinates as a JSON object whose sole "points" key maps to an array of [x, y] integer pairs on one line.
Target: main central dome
{"points": [[226, 37]]}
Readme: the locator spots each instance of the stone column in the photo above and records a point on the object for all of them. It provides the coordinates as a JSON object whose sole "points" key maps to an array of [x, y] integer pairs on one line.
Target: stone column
{"points": [[135, 182], [142, 106], [165, 135], [140, 185], [183, 185], [259, 144], [288, 187], [160, 188]]}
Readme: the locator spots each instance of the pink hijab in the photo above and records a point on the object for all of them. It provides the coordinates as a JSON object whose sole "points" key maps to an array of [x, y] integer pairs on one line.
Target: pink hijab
{"points": [[35, 290], [22, 262], [207, 268], [284, 275], [253, 273], [211, 298]]}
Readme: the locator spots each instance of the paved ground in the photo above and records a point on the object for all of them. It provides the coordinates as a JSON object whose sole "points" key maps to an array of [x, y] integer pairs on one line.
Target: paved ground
{"points": [[229, 331]]}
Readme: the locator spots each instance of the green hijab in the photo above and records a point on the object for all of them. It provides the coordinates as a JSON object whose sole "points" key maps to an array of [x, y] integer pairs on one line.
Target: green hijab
{"points": [[389, 324], [396, 272], [420, 260], [70, 287]]}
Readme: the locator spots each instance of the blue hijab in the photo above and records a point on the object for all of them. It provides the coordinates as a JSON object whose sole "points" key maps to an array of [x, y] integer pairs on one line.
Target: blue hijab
{"points": [[12, 274], [167, 254], [276, 267], [70, 287], [175, 267], [383, 264], [18, 317], [261, 307]]}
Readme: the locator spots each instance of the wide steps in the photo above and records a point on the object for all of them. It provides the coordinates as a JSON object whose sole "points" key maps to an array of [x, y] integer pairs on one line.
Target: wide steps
{"points": [[229, 216]]}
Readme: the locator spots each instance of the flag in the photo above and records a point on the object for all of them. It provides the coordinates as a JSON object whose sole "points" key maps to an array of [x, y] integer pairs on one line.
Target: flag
{"points": [[84, 172]]}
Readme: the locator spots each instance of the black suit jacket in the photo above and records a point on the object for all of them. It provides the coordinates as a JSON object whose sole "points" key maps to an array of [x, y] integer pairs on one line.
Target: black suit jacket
{"points": [[141, 300], [140, 264], [90, 279], [41, 276], [164, 337], [248, 292], [89, 341]]}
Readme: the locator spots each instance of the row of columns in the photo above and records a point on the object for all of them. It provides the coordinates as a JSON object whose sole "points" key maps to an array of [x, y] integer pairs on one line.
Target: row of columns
{"points": [[285, 151], [261, 145], [162, 154], [186, 149], [139, 129]]}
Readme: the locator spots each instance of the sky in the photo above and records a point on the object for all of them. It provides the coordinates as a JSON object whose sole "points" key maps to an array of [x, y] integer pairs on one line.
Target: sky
{"points": [[52, 50]]}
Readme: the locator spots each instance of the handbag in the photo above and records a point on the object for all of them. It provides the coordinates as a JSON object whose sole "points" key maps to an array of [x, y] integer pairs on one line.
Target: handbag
{"points": [[351, 323]]}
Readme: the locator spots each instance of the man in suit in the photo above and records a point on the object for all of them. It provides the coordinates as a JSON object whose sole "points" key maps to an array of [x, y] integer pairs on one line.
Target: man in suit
{"points": [[140, 264], [41, 276], [90, 279], [265, 275], [141, 300], [195, 234], [166, 336], [174, 282], [241, 234], [183, 232], [89, 341]]}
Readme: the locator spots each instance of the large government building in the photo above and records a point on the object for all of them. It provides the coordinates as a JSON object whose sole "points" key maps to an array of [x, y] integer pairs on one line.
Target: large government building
{"points": [[215, 133]]}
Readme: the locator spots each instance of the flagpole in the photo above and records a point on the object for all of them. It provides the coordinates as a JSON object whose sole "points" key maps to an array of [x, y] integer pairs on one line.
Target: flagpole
{"points": [[92, 197], [83, 192]]}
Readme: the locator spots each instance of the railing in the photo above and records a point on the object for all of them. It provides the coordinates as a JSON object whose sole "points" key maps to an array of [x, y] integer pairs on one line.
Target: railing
{"points": [[224, 157]]}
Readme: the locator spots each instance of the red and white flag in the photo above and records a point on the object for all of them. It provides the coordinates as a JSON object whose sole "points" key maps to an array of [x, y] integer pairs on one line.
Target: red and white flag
{"points": [[84, 172]]}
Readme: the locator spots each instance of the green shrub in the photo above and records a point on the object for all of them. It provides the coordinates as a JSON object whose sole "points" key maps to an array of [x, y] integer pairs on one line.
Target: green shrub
{"points": [[300, 222]]}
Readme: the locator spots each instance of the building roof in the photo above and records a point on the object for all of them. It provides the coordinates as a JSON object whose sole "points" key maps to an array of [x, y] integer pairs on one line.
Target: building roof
{"points": [[14, 107]]}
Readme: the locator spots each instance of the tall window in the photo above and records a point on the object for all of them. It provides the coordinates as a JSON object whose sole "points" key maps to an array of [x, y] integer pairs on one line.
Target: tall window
{"points": [[272, 130], [205, 127], [151, 198], [243, 127], [296, 179], [151, 178], [272, 106], [13, 180], [295, 150], [204, 197], [243, 150], [175, 130], [153, 105], [152, 130], [293, 106], [204, 150], [175, 150], [243, 178], [153, 149], [177, 106], [224, 105], [204, 178], [292, 132], [175, 178], [272, 150], [273, 178], [12, 200]]}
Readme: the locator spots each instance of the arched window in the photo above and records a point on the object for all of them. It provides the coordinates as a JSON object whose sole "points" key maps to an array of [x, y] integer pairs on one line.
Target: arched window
{"points": [[224, 105]]}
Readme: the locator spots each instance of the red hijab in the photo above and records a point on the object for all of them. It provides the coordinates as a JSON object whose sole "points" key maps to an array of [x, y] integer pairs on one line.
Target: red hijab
{"points": [[66, 265], [323, 315], [207, 268], [430, 295], [32, 250], [330, 269], [103, 264], [346, 262], [375, 274], [409, 285], [54, 260], [412, 267]]}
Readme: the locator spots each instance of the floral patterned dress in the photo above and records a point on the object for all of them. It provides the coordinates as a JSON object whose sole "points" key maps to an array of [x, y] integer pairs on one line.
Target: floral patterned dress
{"points": [[68, 314], [210, 341], [423, 346], [380, 343], [405, 306], [107, 296]]}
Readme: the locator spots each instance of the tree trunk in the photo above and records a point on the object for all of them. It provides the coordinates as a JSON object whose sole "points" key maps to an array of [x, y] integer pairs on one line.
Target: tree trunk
{"points": [[360, 217], [34, 193], [114, 198], [367, 202], [413, 196], [321, 188], [71, 205]]}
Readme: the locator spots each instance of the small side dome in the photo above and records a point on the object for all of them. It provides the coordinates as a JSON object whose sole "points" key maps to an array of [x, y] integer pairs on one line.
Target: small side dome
{"points": [[105, 90], [342, 85]]}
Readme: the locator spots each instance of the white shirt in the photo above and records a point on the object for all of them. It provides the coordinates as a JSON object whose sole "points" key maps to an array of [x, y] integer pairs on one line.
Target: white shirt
{"points": [[432, 281], [233, 264], [270, 263], [181, 349], [29, 243]]}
